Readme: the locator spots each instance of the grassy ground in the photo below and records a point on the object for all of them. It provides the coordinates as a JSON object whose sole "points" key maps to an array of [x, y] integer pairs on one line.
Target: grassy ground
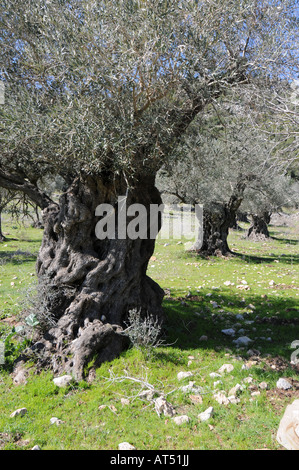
{"points": [[263, 289]]}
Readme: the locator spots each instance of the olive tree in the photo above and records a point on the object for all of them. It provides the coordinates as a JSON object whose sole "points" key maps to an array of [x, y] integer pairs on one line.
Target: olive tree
{"points": [[223, 155], [99, 93]]}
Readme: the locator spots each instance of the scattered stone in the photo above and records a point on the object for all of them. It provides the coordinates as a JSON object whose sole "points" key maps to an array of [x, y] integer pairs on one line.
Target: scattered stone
{"points": [[228, 332], [248, 365], [242, 341], [20, 376], [36, 448], [197, 399], [125, 401], [163, 407], [218, 382], [56, 421], [214, 375], [226, 368], [183, 375], [203, 338], [126, 446], [255, 394], [207, 414], [233, 391], [239, 317], [283, 384], [233, 399], [248, 380], [221, 398], [181, 419], [288, 431], [263, 385], [63, 381], [19, 412]]}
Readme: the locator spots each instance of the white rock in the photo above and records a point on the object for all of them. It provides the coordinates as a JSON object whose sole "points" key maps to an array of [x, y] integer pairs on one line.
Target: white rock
{"points": [[239, 317], [205, 415], [163, 407], [221, 398], [263, 385], [214, 375], [229, 332], [183, 375], [56, 421], [181, 419], [288, 431], [226, 368], [36, 448], [233, 391], [283, 384], [19, 412], [242, 341], [63, 380], [126, 446], [203, 338]]}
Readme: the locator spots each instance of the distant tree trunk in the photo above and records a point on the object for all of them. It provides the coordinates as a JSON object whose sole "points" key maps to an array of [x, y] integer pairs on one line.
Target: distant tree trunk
{"points": [[217, 220], [259, 228], [104, 278], [2, 237]]}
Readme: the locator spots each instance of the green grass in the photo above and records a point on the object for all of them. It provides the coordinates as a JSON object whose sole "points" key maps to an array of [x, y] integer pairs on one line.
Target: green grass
{"points": [[192, 284]]}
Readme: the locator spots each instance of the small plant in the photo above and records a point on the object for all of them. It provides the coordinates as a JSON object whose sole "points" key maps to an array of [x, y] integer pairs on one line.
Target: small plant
{"points": [[35, 304], [143, 332]]}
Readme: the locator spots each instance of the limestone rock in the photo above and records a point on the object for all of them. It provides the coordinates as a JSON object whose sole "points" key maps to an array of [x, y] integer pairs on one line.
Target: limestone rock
{"points": [[283, 384], [163, 407], [19, 412], [226, 368], [181, 419], [63, 381], [205, 415], [126, 446], [183, 375], [288, 431]]}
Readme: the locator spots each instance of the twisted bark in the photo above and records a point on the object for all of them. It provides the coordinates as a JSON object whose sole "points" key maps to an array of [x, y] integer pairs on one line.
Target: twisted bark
{"points": [[104, 278]]}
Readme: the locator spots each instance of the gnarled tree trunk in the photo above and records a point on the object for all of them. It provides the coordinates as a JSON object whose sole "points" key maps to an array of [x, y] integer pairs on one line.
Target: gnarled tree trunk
{"points": [[217, 220], [2, 237], [259, 228], [99, 280]]}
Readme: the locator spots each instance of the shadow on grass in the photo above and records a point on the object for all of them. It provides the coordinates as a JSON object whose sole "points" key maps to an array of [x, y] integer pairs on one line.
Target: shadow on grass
{"points": [[288, 259], [17, 257], [272, 325]]}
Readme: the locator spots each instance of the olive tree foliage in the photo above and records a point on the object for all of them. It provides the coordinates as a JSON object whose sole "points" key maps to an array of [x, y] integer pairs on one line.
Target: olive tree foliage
{"points": [[273, 196], [224, 154], [100, 92]]}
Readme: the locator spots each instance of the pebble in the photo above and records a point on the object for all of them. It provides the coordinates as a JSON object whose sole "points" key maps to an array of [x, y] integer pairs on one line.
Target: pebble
{"points": [[207, 414], [19, 412], [56, 421], [181, 419], [63, 381], [226, 368], [242, 341], [183, 375], [126, 446], [229, 332], [283, 384]]}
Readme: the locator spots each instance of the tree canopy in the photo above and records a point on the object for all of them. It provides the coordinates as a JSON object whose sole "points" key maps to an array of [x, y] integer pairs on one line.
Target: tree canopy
{"points": [[93, 86]]}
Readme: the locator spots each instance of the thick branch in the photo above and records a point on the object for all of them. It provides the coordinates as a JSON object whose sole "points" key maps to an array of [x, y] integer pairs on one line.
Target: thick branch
{"points": [[20, 184]]}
